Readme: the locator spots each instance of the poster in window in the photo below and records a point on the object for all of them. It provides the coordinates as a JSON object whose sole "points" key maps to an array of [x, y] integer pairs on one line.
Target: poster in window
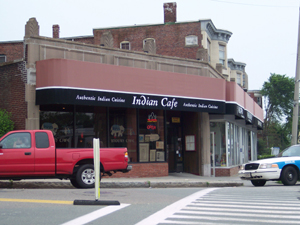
{"points": [[190, 143], [141, 138], [160, 156], [144, 152], [147, 138], [159, 145], [152, 155]]}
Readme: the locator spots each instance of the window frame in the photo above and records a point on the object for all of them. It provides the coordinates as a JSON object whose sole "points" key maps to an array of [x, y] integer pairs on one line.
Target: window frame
{"points": [[125, 43], [222, 60], [3, 56]]}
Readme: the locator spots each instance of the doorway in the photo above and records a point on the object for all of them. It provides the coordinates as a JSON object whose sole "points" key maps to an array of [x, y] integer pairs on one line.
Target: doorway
{"points": [[174, 145]]}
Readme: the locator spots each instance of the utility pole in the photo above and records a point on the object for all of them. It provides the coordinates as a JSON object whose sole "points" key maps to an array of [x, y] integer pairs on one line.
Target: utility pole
{"points": [[296, 92]]}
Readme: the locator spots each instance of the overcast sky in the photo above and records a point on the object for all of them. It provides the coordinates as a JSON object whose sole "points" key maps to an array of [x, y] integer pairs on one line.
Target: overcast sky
{"points": [[265, 32]]}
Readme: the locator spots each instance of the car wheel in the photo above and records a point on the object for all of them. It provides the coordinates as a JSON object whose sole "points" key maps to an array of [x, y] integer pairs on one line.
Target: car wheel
{"points": [[258, 183], [74, 183], [289, 176], [85, 176]]}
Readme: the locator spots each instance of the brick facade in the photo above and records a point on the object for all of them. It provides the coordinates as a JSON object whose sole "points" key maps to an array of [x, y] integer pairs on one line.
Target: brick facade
{"points": [[169, 38], [12, 92], [146, 170], [226, 172], [12, 50]]}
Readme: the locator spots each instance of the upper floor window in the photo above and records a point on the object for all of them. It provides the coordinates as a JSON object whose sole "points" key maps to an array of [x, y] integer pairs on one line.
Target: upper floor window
{"points": [[125, 45], [191, 40], [222, 54], [208, 49], [2, 58], [238, 79]]}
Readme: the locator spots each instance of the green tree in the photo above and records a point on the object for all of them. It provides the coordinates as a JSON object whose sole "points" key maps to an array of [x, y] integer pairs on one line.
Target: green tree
{"points": [[6, 124], [279, 93]]}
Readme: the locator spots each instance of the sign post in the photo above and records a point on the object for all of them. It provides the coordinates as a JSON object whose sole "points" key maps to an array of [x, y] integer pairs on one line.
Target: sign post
{"points": [[96, 149], [96, 145]]}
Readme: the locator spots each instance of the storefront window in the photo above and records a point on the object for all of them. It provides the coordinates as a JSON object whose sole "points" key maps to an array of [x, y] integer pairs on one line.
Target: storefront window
{"points": [[84, 132], [122, 130], [61, 125], [241, 145], [249, 145], [220, 142], [254, 146], [90, 124], [230, 144], [151, 136]]}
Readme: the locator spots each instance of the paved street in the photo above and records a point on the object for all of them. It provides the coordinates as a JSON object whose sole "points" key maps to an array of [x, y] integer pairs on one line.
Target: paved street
{"points": [[271, 204]]}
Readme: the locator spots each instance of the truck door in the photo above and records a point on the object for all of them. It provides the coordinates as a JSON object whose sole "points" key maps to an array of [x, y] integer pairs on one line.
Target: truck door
{"points": [[17, 154], [44, 154]]}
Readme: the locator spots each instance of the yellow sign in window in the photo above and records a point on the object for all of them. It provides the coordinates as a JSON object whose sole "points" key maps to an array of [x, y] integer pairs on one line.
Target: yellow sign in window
{"points": [[175, 119]]}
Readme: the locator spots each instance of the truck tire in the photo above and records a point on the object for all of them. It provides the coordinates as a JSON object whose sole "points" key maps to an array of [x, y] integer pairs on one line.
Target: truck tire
{"points": [[74, 183], [85, 176], [289, 175], [258, 183]]}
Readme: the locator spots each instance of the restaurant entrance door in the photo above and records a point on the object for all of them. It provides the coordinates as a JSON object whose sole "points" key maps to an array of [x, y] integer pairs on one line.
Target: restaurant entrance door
{"points": [[174, 146]]}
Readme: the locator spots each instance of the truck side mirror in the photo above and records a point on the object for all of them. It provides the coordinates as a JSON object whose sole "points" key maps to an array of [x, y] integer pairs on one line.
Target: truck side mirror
{"points": [[0, 145]]}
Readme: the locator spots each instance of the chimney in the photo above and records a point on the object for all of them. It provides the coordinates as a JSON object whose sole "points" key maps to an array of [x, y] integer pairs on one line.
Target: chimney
{"points": [[55, 29], [170, 12]]}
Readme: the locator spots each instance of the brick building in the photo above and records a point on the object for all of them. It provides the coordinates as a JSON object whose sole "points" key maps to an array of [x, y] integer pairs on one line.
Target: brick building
{"points": [[166, 91]]}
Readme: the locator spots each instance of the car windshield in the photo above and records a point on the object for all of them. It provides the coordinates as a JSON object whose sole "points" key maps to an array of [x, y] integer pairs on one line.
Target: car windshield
{"points": [[290, 151]]}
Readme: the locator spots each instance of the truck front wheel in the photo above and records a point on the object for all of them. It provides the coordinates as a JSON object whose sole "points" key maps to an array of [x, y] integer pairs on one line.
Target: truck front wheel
{"points": [[85, 177]]}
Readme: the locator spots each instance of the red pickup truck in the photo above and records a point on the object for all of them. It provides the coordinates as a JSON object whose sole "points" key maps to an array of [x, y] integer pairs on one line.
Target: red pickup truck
{"points": [[31, 154]]}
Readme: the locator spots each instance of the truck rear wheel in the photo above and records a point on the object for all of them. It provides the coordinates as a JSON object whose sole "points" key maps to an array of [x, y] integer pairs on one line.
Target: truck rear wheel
{"points": [[85, 176], [74, 182]]}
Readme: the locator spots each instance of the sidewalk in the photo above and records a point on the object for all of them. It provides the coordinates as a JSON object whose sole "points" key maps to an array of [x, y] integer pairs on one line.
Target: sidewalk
{"points": [[173, 180]]}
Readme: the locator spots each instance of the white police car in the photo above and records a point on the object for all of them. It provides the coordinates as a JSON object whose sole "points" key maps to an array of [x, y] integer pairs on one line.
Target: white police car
{"points": [[284, 167]]}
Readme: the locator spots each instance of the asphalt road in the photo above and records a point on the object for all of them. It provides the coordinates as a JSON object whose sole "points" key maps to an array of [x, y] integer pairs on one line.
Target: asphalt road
{"points": [[273, 203]]}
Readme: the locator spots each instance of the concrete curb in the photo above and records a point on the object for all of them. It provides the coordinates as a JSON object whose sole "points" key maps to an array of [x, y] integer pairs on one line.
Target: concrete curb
{"points": [[138, 184]]}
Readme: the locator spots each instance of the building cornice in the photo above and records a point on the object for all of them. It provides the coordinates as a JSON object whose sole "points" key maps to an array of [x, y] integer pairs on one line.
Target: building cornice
{"points": [[213, 32], [236, 65]]}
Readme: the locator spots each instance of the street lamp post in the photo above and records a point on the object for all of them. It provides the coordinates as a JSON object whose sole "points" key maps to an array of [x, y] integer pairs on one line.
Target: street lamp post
{"points": [[296, 93]]}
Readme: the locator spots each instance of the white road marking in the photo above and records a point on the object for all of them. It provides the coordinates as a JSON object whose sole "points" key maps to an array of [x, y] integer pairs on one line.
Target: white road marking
{"points": [[260, 210], [227, 214], [95, 215], [278, 207], [168, 211], [240, 220]]}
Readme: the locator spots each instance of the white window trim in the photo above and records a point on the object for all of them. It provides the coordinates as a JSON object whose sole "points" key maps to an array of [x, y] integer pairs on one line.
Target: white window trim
{"points": [[224, 59], [3, 56], [125, 42]]}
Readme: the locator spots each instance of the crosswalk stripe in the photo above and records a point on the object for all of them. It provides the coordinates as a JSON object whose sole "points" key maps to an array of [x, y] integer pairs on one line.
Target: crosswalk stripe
{"points": [[242, 210], [253, 220], [251, 201], [239, 214], [175, 207], [242, 206], [248, 203]]}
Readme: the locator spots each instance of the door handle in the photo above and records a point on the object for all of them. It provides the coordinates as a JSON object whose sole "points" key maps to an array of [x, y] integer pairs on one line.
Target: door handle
{"points": [[27, 153]]}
